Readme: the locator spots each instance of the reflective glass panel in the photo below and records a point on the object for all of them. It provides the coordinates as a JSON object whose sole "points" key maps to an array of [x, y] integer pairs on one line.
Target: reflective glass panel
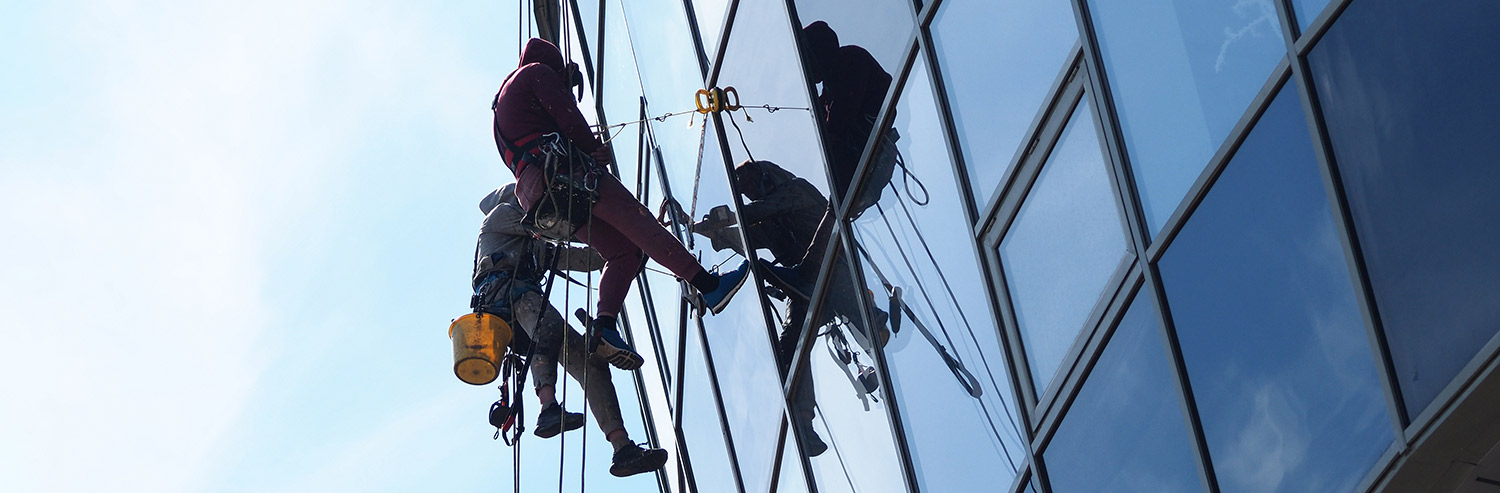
{"points": [[917, 240], [1182, 72], [1408, 94], [710, 14], [761, 64], [700, 423], [1125, 430], [841, 381], [1264, 305], [791, 479], [881, 27], [999, 58], [669, 77], [739, 338], [1307, 10], [1065, 244]]}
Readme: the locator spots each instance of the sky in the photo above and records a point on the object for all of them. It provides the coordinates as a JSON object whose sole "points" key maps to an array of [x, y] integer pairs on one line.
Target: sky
{"points": [[234, 236]]}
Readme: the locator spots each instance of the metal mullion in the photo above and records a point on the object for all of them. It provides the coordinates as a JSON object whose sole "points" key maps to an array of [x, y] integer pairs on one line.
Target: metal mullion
{"points": [[1036, 130], [648, 419], [1189, 404], [693, 30], [717, 62], [765, 305], [685, 474], [1319, 26], [1065, 381], [1113, 140], [1215, 166], [804, 348], [877, 351], [949, 127], [1101, 331], [928, 12], [713, 381], [1343, 219], [1000, 216]]}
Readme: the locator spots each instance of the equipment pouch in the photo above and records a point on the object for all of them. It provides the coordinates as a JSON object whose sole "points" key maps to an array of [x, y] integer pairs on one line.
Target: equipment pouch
{"points": [[564, 208]]}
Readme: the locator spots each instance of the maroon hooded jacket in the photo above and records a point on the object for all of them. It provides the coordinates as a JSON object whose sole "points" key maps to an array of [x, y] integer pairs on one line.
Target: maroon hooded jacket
{"points": [[534, 100]]}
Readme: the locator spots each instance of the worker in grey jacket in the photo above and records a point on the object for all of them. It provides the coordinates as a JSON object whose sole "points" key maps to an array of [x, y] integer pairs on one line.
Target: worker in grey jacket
{"points": [[508, 272]]}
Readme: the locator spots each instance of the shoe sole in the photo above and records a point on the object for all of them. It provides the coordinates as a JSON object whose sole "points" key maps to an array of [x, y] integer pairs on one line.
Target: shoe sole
{"points": [[623, 359], [723, 303], [647, 463]]}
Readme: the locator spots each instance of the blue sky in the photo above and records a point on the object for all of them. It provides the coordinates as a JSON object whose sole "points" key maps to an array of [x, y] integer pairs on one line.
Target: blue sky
{"points": [[235, 235]]}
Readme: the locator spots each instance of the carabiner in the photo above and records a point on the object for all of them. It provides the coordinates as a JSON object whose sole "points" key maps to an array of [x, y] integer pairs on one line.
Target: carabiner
{"points": [[711, 105], [727, 103]]}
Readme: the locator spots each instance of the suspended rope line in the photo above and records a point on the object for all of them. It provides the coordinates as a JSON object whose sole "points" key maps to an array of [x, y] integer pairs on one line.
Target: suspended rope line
{"points": [[697, 177], [837, 452]]}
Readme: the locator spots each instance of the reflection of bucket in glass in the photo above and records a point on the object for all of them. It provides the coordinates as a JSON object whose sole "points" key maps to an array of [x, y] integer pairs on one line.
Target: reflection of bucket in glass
{"points": [[478, 341]]}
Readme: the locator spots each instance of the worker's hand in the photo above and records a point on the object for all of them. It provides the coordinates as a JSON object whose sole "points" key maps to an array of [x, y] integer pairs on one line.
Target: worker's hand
{"points": [[603, 155]]}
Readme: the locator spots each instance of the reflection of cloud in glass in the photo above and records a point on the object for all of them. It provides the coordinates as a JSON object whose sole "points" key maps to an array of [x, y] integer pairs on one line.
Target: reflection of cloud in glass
{"points": [[1267, 17]]}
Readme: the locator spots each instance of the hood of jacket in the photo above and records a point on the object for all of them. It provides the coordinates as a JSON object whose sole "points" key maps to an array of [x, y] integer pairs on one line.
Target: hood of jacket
{"points": [[541, 51], [822, 44], [505, 194]]}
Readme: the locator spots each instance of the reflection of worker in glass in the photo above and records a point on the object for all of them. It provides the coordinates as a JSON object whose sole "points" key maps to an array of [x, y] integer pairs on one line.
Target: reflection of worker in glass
{"points": [[533, 103], [854, 88], [781, 214], [507, 277]]}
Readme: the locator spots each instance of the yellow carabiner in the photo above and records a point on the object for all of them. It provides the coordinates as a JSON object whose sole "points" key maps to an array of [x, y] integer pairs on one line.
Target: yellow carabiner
{"points": [[705, 107], [729, 104]]}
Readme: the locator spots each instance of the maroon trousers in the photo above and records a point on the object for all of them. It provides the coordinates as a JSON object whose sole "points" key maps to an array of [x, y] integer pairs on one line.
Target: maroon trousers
{"points": [[621, 230]]}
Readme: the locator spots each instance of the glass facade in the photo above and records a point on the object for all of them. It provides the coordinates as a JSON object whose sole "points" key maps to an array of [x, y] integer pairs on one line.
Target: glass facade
{"points": [[1086, 245]]}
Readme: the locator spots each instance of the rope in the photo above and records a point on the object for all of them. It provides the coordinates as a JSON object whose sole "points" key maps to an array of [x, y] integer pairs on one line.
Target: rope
{"points": [[697, 177]]}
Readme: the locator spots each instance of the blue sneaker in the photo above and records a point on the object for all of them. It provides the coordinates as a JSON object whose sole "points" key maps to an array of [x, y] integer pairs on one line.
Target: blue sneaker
{"points": [[609, 346], [729, 282]]}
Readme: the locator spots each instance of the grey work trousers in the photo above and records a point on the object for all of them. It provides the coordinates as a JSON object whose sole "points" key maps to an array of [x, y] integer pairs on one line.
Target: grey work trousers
{"points": [[547, 333]]}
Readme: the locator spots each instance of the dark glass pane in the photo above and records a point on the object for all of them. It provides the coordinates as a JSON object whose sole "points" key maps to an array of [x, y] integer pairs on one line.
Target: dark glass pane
{"points": [[917, 240], [1182, 72], [1264, 304], [881, 27], [1125, 431], [1409, 94], [1064, 246], [998, 59]]}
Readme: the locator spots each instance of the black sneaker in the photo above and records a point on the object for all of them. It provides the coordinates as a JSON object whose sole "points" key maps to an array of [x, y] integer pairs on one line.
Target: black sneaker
{"points": [[551, 421], [812, 444], [631, 460]]}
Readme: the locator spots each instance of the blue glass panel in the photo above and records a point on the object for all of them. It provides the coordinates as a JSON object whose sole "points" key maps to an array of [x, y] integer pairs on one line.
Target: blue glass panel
{"points": [[1307, 10], [1125, 431], [998, 59], [1065, 244], [1182, 73], [1264, 304], [1408, 93], [958, 442]]}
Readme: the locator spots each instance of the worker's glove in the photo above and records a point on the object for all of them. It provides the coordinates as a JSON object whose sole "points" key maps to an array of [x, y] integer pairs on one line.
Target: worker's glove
{"points": [[718, 218], [575, 78]]}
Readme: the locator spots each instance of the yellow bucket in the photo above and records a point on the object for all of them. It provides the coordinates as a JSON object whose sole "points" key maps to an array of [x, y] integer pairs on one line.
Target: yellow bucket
{"points": [[479, 339]]}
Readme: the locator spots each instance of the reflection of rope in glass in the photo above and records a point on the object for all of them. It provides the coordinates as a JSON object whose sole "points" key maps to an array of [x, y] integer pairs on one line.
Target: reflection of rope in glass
{"points": [[836, 452], [1010, 417]]}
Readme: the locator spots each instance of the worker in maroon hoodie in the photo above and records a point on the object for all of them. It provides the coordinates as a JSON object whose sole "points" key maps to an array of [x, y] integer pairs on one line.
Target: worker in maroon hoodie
{"points": [[854, 88], [535, 101]]}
